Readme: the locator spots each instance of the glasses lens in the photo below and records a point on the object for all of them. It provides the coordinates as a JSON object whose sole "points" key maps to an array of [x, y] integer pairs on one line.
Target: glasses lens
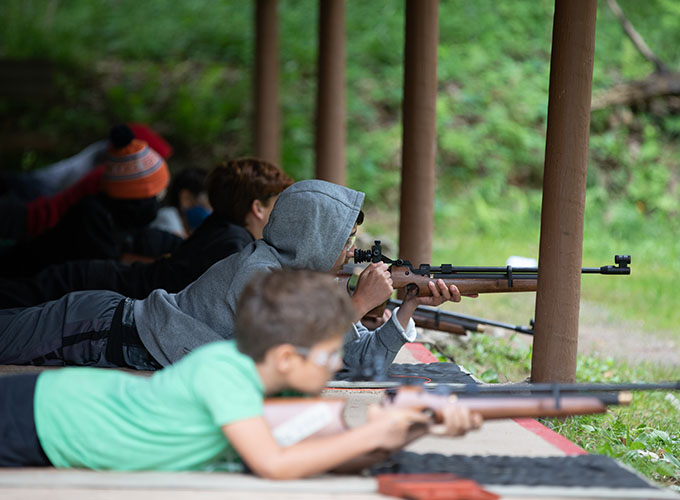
{"points": [[323, 358]]}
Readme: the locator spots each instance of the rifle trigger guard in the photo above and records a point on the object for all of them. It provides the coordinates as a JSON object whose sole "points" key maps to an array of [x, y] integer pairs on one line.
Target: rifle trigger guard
{"points": [[509, 274]]}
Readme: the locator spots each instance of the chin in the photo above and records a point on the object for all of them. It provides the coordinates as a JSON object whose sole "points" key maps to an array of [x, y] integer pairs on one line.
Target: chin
{"points": [[315, 391]]}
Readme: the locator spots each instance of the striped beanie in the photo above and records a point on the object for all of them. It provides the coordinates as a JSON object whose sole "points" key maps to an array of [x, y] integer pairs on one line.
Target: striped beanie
{"points": [[132, 169]]}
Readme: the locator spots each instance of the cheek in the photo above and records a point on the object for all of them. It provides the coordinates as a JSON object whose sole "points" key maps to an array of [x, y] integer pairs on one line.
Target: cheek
{"points": [[313, 379]]}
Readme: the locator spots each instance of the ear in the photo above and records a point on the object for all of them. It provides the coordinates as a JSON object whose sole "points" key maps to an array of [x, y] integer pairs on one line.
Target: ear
{"points": [[284, 357], [257, 208]]}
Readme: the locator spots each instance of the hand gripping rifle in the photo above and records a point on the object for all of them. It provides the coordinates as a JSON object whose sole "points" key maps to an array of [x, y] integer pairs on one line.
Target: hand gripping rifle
{"points": [[295, 419], [469, 280]]}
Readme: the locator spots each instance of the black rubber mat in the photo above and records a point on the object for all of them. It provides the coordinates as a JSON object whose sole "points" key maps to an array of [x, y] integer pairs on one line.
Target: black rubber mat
{"points": [[434, 372], [416, 373], [581, 471]]}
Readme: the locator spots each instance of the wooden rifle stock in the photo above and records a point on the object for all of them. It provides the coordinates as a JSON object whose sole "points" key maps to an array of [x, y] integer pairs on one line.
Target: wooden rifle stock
{"points": [[415, 283], [436, 319], [424, 321], [402, 277], [295, 419], [499, 407]]}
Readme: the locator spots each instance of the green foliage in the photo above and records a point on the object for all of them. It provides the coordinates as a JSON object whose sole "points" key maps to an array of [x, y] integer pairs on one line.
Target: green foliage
{"points": [[491, 359], [643, 434], [186, 69]]}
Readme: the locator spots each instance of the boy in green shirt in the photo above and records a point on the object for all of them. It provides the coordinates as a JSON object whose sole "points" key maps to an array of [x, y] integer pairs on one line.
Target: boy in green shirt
{"points": [[208, 407]]}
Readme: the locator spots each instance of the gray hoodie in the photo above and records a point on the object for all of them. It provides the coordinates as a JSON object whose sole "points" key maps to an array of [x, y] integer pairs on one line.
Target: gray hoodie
{"points": [[308, 228]]}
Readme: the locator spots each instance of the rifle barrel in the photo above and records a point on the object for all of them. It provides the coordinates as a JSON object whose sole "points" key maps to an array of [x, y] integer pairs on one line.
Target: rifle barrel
{"points": [[559, 388]]}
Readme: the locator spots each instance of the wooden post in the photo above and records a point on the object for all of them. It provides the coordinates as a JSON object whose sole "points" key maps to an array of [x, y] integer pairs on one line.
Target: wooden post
{"points": [[267, 127], [330, 119], [419, 128], [564, 191]]}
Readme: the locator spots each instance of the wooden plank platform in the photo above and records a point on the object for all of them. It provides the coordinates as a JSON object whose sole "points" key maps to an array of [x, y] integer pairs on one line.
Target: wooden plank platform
{"points": [[522, 437]]}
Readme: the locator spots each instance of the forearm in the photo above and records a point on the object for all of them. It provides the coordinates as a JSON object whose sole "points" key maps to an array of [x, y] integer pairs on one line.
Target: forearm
{"points": [[361, 306], [357, 464], [373, 349], [405, 311], [321, 454]]}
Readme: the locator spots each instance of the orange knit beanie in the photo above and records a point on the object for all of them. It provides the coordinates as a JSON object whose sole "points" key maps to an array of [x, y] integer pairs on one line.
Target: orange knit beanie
{"points": [[132, 169]]}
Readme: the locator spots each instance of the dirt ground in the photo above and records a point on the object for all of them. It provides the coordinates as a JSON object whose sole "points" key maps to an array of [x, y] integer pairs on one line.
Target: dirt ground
{"points": [[602, 335]]}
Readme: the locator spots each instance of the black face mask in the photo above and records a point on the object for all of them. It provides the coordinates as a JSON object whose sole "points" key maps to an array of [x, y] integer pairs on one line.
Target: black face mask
{"points": [[130, 214]]}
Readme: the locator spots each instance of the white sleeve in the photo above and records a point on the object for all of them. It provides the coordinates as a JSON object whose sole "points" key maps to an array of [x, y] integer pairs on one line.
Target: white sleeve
{"points": [[410, 333]]}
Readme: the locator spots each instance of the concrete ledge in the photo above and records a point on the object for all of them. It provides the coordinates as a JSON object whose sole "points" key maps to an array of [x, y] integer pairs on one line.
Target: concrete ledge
{"points": [[49, 478]]}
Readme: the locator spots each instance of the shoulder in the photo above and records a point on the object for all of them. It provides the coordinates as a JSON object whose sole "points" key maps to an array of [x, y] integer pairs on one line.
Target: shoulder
{"points": [[220, 365], [217, 238], [223, 354]]}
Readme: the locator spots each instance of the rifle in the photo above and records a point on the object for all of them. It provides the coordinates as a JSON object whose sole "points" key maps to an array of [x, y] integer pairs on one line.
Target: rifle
{"points": [[468, 279], [295, 419], [434, 318]]}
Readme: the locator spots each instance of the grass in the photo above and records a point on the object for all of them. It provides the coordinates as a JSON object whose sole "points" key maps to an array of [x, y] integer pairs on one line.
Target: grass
{"points": [[643, 435]]}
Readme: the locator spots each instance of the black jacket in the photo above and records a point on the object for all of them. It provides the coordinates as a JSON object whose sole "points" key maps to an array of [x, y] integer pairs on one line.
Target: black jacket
{"points": [[97, 227], [214, 240]]}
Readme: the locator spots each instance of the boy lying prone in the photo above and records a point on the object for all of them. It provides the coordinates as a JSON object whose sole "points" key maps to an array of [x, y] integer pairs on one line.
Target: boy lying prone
{"points": [[208, 407]]}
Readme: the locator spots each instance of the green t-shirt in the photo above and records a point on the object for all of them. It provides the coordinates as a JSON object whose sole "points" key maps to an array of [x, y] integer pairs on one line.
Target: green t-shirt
{"points": [[105, 419]]}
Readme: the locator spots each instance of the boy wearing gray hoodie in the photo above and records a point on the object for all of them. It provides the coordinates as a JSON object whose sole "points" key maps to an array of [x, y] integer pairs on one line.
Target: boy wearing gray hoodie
{"points": [[310, 227]]}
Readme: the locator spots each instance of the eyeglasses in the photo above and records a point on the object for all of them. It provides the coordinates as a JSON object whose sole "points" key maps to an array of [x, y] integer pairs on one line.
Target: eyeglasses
{"points": [[321, 358], [350, 242]]}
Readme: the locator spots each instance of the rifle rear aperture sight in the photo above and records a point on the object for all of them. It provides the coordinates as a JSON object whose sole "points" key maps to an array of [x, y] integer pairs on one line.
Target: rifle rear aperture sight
{"points": [[373, 255]]}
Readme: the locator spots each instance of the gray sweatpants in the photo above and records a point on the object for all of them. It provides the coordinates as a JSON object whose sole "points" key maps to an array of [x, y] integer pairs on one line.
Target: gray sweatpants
{"points": [[73, 330]]}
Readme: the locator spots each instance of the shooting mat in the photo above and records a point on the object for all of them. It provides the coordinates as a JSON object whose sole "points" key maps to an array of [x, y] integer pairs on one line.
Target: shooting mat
{"points": [[583, 471], [413, 373]]}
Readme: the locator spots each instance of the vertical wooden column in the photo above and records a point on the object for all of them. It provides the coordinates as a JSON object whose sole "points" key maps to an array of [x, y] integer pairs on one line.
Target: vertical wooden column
{"points": [[267, 126], [564, 192], [419, 127], [330, 104]]}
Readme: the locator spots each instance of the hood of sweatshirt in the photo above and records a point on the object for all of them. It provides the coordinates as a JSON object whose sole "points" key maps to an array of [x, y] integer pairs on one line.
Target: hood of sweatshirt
{"points": [[308, 228], [310, 223]]}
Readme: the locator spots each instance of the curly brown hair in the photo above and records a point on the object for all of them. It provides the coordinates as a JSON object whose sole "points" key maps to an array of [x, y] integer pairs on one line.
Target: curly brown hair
{"points": [[233, 186], [296, 307]]}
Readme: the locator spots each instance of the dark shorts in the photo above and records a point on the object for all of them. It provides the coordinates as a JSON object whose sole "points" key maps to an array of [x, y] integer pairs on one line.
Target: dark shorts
{"points": [[19, 444]]}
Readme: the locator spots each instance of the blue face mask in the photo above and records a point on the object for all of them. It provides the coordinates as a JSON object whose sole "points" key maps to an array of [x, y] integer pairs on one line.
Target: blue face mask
{"points": [[195, 215]]}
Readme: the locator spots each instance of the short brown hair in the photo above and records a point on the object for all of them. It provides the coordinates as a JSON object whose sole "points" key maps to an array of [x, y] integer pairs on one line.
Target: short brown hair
{"points": [[290, 307], [233, 186]]}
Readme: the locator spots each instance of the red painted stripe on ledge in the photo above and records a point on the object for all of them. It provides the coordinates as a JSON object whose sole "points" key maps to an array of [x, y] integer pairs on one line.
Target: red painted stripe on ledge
{"points": [[550, 436], [423, 354]]}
